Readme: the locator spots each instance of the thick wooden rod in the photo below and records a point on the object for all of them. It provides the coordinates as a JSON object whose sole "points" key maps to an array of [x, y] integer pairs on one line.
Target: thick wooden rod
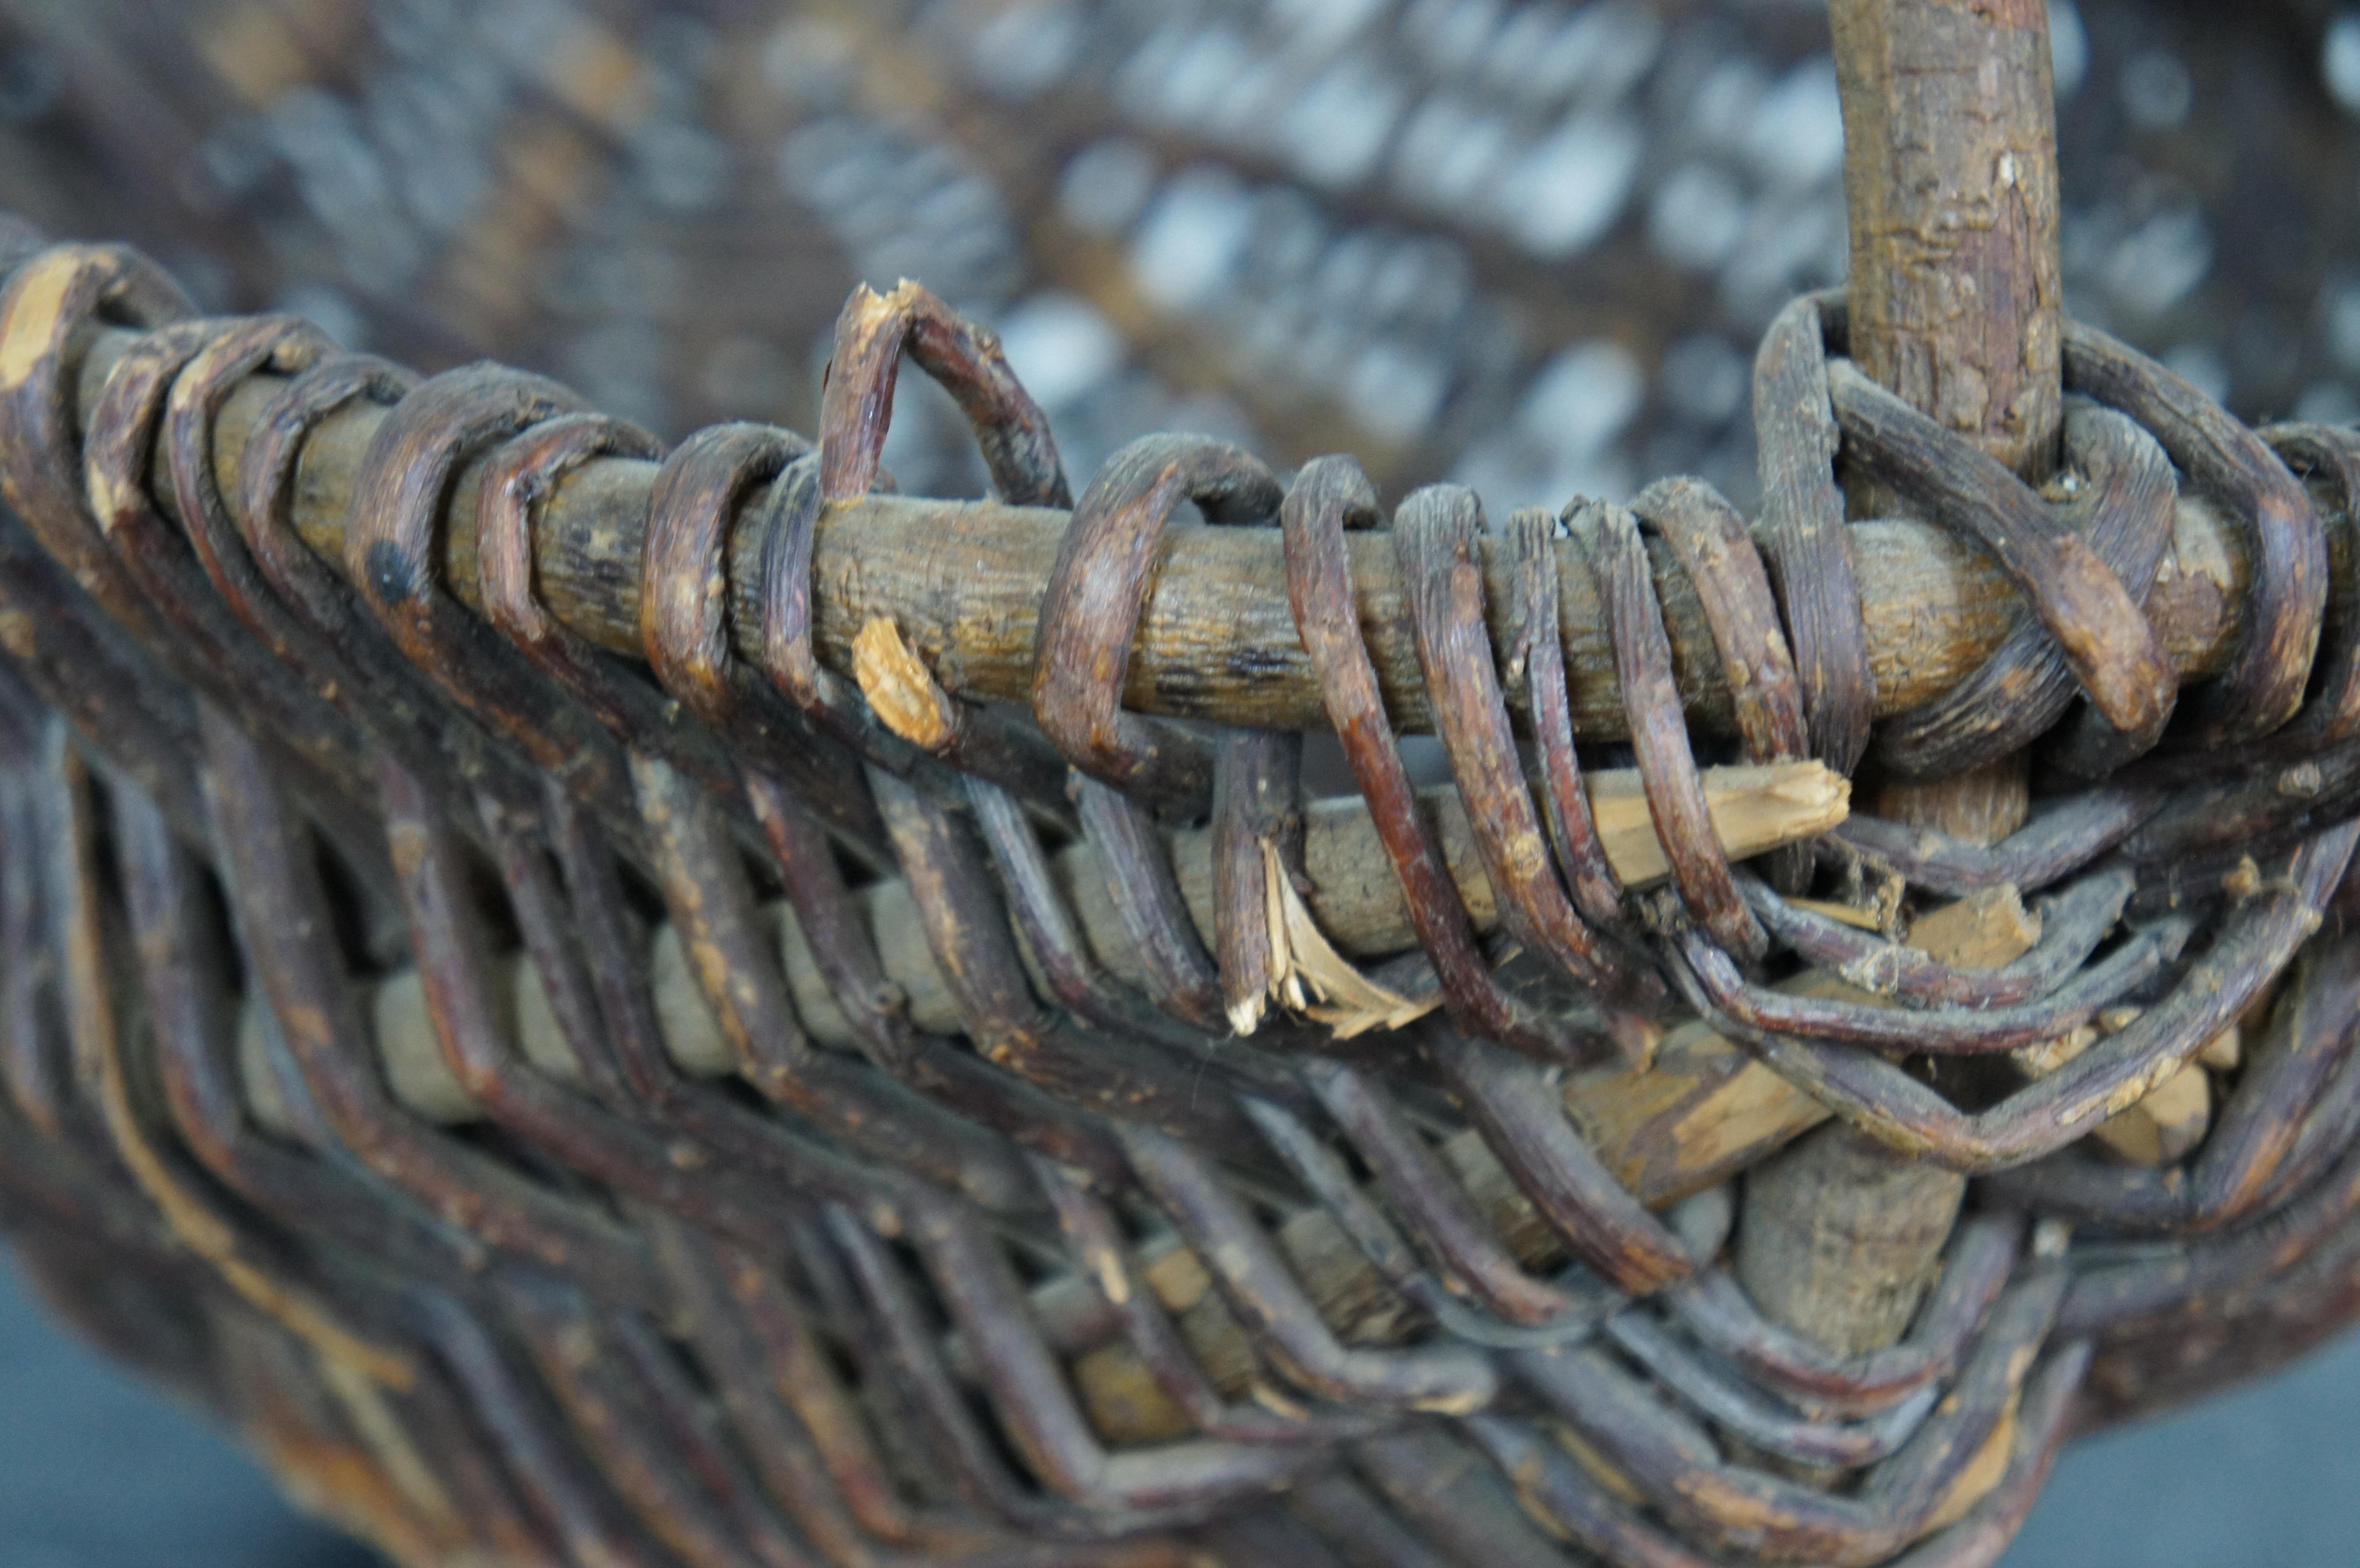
{"points": [[963, 583], [1951, 183], [1951, 187]]}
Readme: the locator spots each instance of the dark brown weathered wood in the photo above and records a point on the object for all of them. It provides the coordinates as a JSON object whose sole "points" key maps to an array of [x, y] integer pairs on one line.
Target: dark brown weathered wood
{"points": [[1842, 1232], [1954, 300], [2071, 590], [1951, 177], [1438, 527], [2121, 503], [1809, 552], [962, 581], [1955, 295], [976, 1287]]}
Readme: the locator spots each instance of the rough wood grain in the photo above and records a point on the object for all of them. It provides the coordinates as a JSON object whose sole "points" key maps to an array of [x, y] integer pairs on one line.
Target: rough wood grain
{"points": [[963, 579], [2172, 1118], [1981, 805], [1841, 1233], [1955, 297], [1951, 179], [1950, 176], [1704, 1111], [1357, 904]]}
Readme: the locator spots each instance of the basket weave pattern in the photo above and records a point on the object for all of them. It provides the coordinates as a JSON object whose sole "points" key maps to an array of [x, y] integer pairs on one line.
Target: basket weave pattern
{"points": [[1042, 1289], [608, 1063]]}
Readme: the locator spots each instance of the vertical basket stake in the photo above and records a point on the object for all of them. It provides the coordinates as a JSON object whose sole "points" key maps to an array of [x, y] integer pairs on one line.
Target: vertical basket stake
{"points": [[1950, 180]]}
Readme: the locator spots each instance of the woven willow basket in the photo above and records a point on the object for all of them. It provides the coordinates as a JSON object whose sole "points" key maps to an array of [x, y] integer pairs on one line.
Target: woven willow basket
{"points": [[708, 998]]}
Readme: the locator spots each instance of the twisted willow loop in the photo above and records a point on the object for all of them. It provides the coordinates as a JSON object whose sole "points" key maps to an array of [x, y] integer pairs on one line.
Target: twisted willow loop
{"points": [[733, 1109]]}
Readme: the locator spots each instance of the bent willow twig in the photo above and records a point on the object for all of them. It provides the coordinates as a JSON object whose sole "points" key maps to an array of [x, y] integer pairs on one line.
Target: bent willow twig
{"points": [[715, 1079]]}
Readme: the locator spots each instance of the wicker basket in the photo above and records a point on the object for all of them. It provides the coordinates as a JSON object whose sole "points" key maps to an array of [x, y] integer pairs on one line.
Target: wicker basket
{"points": [[612, 1000]]}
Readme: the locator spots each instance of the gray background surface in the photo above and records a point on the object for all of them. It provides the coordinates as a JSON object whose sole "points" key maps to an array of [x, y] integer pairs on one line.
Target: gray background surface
{"points": [[98, 1472]]}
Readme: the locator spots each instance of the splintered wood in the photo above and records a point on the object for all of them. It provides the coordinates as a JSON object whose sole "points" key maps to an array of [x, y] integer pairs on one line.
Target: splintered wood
{"points": [[899, 686], [1988, 927], [1354, 908], [1754, 809], [1354, 904], [2166, 1125]]}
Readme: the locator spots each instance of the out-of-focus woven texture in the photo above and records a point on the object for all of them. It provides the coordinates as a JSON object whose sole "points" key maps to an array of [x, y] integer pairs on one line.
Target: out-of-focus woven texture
{"points": [[588, 1057], [1528, 246]]}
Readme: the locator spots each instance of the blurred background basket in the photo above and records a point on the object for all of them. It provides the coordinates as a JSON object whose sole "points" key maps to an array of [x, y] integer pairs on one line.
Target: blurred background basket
{"points": [[1528, 249]]}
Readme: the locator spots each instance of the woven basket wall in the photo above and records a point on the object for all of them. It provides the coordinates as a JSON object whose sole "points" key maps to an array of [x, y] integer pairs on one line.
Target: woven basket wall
{"points": [[677, 1058]]}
